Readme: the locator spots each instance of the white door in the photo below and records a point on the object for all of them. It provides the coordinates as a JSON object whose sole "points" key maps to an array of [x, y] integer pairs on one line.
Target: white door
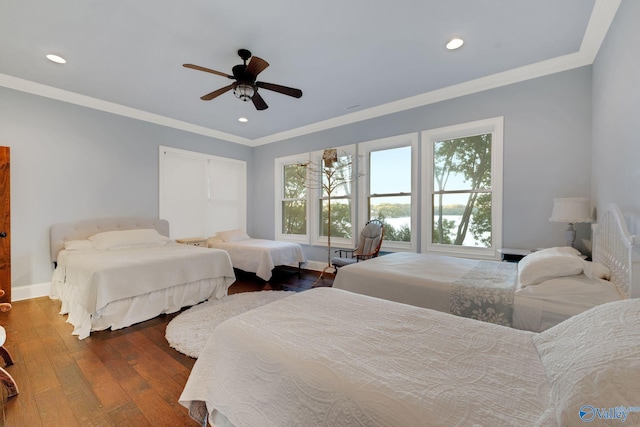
{"points": [[201, 194]]}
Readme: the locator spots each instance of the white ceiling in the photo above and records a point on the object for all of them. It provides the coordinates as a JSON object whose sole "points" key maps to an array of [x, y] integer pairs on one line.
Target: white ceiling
{"points": [[353, 59]]}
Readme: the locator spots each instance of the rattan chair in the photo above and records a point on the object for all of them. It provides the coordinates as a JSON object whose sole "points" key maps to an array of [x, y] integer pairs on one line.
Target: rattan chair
{"points": [[368, 247]]}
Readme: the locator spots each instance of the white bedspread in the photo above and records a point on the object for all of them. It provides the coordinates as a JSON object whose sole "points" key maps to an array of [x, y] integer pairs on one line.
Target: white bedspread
{"points": [[99, 277], [422, 280], [478, 289], [327, 357], [260, 256], [539, 307]]}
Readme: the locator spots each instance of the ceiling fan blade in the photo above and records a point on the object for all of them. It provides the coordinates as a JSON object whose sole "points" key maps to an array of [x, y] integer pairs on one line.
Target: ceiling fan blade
{"points": [[258, 102], [215, 93], [207, 70], [256, 66], [296, 93]]}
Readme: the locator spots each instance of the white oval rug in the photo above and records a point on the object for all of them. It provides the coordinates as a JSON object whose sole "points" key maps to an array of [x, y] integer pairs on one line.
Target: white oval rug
{"points": [[188, 331]]}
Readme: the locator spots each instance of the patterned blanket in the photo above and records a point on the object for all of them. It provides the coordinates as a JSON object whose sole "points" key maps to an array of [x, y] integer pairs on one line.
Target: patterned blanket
{"points": [[485, 293]]}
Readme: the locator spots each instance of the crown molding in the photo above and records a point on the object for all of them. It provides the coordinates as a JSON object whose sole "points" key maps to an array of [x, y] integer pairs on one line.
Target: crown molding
{"points": [[111, 107], [602, 16], [493, 81]]}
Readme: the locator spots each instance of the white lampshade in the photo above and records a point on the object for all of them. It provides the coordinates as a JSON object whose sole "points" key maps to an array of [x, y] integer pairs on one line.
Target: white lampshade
{"points": [[571, 210]]}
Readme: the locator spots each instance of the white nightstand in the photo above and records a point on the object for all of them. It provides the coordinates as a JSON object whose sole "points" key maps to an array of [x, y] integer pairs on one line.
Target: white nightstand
{"points": [[193, 241]]}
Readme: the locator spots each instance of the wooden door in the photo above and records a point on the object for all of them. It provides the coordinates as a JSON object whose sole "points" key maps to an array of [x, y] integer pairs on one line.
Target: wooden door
{"points": [[5, 225]]}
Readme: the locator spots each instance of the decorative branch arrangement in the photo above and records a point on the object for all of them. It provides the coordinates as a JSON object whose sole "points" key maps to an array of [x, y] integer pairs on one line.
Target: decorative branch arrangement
{"points": [[332, 173]]}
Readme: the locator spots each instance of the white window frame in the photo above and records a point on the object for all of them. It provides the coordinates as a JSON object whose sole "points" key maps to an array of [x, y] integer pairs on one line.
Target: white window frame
{"points": [[365, 149], [280, 163], [495, 126], [315, 192]]}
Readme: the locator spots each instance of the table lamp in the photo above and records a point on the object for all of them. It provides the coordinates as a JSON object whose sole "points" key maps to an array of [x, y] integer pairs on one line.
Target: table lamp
{"points": [[571, 210]]}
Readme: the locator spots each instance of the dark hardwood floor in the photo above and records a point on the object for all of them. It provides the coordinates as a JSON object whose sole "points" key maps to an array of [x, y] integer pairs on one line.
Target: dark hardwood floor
{"points": [[129, 377]]}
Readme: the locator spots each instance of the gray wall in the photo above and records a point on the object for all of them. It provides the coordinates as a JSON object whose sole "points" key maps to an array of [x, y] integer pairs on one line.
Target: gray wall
{"points": [[616, 113], [547, 143], [616, 123], [70, 162]]}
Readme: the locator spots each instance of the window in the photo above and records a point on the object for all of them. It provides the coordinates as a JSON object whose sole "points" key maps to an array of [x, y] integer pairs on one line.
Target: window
{"points": [[389, 182], [337, 181], [291, 182], [294, 203], [332, 189], [448, 198], [307, 189], [462, 188]]}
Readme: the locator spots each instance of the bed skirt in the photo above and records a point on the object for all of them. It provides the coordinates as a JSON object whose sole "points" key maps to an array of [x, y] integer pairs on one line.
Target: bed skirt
{"points": [[128, 311]]}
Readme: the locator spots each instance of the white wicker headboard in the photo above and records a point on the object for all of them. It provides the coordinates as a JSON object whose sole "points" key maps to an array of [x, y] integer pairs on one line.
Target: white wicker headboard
{"points": [[613, 247], [84, 229]]}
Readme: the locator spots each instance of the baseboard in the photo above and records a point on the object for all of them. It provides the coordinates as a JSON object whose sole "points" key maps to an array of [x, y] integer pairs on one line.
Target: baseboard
{"points": [[19, 293]]}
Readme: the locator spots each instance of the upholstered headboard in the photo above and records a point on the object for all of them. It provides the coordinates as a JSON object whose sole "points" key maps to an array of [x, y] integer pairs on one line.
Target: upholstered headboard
{"points": [[84, 229]]}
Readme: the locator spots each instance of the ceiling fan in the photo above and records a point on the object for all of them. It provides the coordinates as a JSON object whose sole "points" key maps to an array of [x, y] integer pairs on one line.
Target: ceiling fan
{"points": [[245, 86]]}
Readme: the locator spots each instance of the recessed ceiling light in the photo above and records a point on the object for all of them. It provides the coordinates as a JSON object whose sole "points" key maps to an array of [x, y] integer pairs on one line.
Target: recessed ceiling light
{"points": [[455, 43], [243, 120], [56, 58]]}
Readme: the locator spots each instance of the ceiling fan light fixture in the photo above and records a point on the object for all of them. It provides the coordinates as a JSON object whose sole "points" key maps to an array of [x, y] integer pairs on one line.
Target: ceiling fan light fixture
{"points": [[243, 91]]}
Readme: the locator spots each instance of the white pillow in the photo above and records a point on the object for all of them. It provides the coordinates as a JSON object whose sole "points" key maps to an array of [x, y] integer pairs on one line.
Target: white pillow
{"points": [[128, 238], [236, 235], [596, 270], [78, 245], [592, 361], [563, 249], [548, 264]]}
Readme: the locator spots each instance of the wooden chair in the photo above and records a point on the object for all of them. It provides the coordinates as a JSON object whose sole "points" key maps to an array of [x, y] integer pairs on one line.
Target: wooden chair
{"points": [[5, 378], [368, 246]]}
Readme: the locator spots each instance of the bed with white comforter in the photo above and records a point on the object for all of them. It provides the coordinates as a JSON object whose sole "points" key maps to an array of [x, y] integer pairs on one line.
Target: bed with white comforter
{"points": [[113, 279], [259, 256], [544, 289], [327, 357], [483, 290], [468, 287]]}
